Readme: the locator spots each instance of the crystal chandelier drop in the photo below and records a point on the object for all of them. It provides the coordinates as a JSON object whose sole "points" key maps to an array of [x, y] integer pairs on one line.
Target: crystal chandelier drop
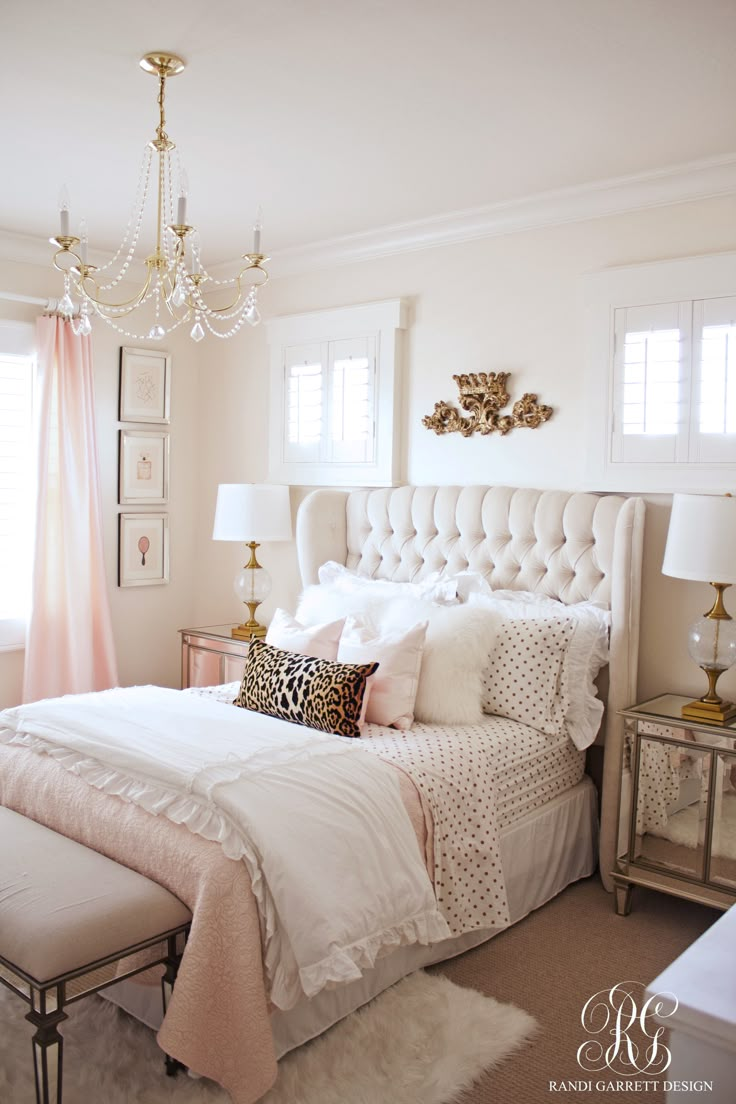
{"points": [[175, 283]]}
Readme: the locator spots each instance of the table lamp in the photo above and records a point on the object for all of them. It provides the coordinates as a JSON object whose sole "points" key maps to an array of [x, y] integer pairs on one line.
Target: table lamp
{"points": [[701, 545], [252, 513]]}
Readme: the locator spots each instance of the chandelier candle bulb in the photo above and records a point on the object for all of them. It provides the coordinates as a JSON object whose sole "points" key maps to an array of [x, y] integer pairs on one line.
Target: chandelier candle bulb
{"points": [[257, 233], [64, 213]]}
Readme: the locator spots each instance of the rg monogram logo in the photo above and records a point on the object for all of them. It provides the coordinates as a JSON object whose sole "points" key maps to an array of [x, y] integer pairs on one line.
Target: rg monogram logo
{"points": [[622, 1015]]}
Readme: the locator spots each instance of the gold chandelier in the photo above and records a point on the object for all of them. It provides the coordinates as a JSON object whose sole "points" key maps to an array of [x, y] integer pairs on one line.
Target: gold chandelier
{"points": [[175, 282]]}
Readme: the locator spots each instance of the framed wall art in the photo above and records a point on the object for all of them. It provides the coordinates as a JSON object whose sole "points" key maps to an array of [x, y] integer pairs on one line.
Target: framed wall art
{"points": [[144, 467], [143, 550], [145, 385]]}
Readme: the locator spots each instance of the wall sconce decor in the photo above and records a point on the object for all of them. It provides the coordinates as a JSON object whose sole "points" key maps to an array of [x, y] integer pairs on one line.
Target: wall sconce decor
{"points": [[483, 395]]}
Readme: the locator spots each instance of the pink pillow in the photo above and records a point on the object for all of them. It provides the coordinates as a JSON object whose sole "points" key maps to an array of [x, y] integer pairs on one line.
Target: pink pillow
{"points": [[393, 688], [318, 641]]}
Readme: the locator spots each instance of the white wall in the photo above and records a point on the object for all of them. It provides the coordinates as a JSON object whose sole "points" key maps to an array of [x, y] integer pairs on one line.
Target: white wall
{"points": [[508, 303], [145, 619], [511, 303]]}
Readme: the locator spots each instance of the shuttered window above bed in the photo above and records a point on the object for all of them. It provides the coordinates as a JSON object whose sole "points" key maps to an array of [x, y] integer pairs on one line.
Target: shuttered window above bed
{"points": [[668, 335], [16, 482], [335, 393]]}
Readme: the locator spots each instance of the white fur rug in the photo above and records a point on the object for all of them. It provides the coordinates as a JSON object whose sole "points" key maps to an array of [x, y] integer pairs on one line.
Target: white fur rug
{"points": [[688, 830], [421, 1042]]}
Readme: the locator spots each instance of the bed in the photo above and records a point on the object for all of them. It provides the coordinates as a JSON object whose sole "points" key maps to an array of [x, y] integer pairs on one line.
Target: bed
{"points": [[571, 547]]}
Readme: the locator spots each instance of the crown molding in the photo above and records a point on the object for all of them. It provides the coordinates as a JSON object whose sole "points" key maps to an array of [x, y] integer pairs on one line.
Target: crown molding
{"points": [[683, 183], [705, 179], [26, 249]]}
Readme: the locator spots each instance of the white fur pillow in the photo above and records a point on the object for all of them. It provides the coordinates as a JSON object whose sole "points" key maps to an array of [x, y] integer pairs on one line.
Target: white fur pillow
{"points": [[458, 641]]}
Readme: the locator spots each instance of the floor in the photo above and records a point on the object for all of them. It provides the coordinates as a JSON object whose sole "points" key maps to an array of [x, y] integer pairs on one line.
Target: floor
{"points": [[553, 961]]}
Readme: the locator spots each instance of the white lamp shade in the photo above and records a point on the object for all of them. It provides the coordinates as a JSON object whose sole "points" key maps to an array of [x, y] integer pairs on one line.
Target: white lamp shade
{"points": [[701, 541], [252, 512]]}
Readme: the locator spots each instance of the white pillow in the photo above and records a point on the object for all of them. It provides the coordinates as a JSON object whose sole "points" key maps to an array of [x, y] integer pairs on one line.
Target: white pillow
{"points": [[393, 688], [319, 641], [433, 588], [587, 652], [330, 601], [456, 649]]}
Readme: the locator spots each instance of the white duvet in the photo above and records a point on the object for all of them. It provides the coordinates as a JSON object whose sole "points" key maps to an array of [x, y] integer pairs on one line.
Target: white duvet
{"points": [[319, 822]]}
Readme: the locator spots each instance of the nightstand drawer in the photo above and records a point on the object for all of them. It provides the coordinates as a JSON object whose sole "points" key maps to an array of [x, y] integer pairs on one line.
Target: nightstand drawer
{"points": [[211, 656]]}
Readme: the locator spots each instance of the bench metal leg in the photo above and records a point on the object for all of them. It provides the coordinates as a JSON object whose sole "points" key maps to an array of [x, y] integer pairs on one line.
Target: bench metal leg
{"points": [[168, 980], [48, 1052]]}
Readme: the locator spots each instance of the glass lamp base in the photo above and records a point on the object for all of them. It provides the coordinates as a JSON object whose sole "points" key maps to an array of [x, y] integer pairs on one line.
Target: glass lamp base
{"points": [[252, 585]]}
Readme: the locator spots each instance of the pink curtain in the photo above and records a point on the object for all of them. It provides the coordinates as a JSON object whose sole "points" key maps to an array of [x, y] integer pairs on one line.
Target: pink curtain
{"points": [[69, 647]]}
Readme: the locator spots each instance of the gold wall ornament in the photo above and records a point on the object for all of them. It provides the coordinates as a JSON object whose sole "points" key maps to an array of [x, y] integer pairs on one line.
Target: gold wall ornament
{"points": [[483, 395]]}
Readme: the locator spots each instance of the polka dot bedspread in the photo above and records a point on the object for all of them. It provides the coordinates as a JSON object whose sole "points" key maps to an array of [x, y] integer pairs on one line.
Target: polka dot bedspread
{"points": [[475, 780]]}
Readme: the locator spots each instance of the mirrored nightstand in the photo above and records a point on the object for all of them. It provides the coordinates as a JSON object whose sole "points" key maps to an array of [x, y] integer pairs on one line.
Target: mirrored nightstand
{"points": [[678, 806], [211, 656]]}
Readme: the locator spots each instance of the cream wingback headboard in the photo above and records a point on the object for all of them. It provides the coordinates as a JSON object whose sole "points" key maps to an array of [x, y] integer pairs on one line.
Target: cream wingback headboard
{"points": [[572, 546]]}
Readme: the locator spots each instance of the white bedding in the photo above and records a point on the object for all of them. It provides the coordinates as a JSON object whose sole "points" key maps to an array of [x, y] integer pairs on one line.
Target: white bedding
{"points": [[474, 779], [223, 772]]}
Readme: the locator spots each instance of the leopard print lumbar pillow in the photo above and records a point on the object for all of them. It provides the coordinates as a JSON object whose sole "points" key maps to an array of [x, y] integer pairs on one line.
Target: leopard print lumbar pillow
{"points": [[308, 691]]}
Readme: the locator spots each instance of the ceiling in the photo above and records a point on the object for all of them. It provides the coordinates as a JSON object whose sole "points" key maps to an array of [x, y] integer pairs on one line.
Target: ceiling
{"points": [[341, 116]]}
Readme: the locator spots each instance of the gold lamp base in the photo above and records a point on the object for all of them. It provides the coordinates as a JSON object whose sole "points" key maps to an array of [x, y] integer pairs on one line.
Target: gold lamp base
{"points": [[711, 645], [718, 713], [248, 630]]}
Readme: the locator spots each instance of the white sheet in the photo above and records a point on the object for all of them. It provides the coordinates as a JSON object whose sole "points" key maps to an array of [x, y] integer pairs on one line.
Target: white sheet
{"points": [[541, 854], [338, 884]]}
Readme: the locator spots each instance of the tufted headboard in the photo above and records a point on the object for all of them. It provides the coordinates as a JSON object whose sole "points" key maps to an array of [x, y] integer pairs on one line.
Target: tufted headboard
{"points": [[572, 546]]}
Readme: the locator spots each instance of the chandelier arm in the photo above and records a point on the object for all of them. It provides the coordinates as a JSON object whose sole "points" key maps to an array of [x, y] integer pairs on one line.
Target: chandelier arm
{"points": [[201, 304], [67, 251], [136, 300]]}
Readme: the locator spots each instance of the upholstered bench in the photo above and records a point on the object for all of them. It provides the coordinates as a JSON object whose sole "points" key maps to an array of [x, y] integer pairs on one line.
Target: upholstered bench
{"points": [[72, 922]]}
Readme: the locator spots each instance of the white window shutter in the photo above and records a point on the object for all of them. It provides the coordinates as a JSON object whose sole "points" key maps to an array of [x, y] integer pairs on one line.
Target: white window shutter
{"points": [[352, 401], [304, 403], [713, 420], [651, 384]]}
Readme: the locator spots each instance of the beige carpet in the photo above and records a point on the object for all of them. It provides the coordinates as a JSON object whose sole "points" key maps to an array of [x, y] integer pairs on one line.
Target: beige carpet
{"points": [[553, 961], [548, 965]]}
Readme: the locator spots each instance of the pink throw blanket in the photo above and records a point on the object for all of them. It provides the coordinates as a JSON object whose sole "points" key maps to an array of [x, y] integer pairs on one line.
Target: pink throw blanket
{"points": [[218, 1021]]}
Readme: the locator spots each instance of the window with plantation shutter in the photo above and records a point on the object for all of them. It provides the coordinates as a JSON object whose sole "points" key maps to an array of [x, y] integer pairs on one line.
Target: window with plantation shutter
{"points": [[16, 482], [714, 399], [335, 393], [651, 384], [666, 334]]}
